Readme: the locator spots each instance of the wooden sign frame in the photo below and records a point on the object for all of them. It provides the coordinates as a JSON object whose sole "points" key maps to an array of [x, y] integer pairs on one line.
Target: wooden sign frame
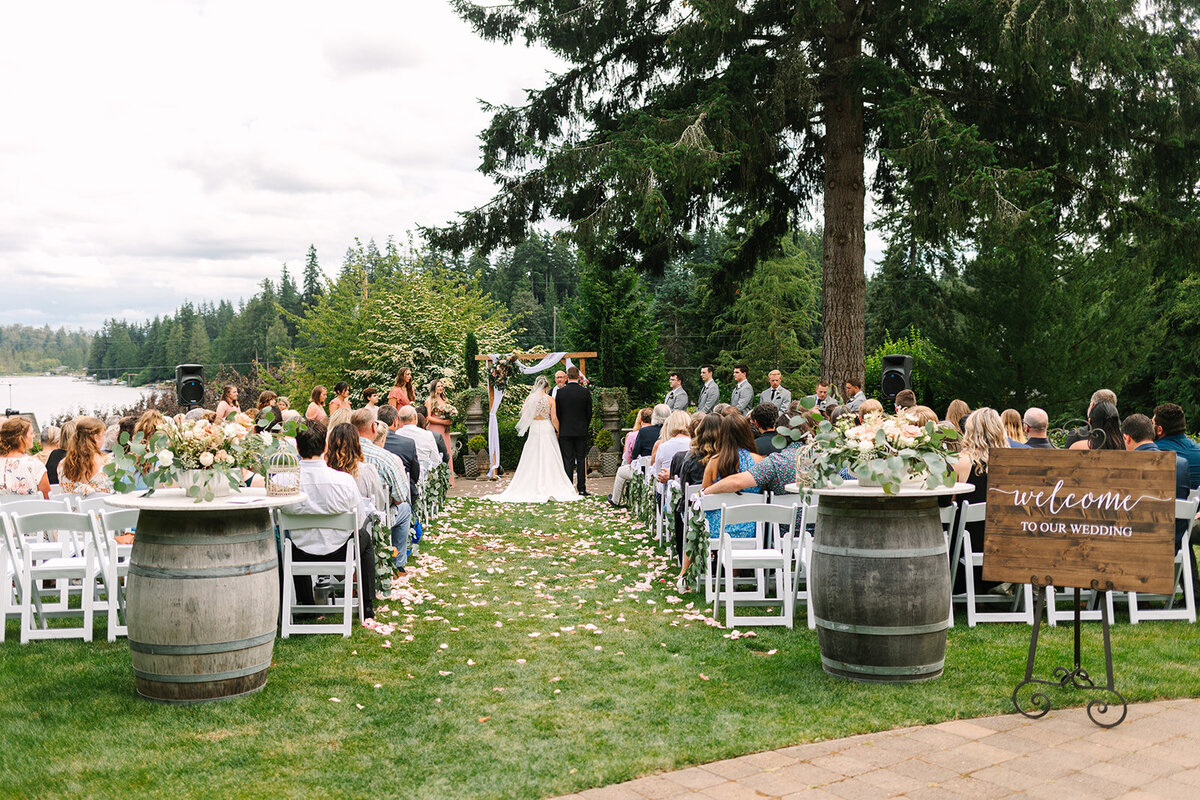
{"points": [[1101, 519]]}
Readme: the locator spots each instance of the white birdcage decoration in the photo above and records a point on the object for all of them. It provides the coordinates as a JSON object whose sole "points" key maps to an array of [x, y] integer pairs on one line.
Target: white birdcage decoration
{"points": [[283, 474], [804, 466]]}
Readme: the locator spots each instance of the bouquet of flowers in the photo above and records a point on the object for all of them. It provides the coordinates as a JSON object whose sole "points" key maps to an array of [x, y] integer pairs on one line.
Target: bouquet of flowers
{"points": [[884, 451], [502, 370], [223, 450]]}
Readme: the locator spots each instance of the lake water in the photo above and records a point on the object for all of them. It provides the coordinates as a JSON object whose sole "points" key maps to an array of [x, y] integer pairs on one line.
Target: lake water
{"points": [[50, 397]]}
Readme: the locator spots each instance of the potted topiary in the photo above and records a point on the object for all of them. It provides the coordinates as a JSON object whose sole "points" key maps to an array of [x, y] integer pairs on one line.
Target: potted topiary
{"points": [[479, 464], [610, 459]]}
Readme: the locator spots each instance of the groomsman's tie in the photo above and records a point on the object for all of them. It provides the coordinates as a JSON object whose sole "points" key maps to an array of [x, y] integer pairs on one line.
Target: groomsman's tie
{"points": [[773, 391]]}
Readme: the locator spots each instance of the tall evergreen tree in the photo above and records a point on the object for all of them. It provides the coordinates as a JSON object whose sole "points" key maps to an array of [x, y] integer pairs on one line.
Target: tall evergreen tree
{"points": [[312, 288], [672, 113]]}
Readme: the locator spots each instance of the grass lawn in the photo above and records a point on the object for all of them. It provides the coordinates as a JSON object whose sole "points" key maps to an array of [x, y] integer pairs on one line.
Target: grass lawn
{"points": [[533, 655]]}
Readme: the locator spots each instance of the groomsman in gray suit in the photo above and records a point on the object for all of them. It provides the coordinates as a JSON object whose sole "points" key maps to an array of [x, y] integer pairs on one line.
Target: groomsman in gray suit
{"points": [[743, 392], [775, 394], [677, 398], [710, 393]]}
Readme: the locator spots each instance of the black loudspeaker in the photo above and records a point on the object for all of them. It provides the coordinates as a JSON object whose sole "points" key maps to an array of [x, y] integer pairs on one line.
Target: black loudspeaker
{"points": [[189, 384], [896, 376]]}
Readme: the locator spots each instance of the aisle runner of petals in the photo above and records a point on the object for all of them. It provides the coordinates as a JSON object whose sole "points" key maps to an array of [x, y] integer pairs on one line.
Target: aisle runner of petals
{"points": [[552, 563]]}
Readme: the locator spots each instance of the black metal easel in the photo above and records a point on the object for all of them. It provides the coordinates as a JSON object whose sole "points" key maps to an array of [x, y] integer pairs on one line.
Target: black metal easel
{"points": [[1077, 677]]}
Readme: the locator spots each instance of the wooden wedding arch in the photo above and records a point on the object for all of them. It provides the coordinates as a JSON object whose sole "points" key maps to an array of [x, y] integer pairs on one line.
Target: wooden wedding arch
{"points": [[582, 358]]}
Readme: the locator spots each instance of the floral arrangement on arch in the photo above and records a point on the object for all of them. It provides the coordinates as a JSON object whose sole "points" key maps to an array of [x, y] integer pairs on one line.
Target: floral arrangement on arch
{"points": [[225, 449], [502, 369], [884, 450]]}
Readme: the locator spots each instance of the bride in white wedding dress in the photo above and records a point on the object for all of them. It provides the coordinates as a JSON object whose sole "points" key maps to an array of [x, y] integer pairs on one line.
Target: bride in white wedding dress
{"points": [[540, 476]]}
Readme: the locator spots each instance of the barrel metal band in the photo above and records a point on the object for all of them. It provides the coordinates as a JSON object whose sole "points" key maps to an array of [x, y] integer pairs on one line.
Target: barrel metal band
{"points": [[212, 676], [201, 649], [867, 669], [171, 573], [203, 538], [863, 552], [882, 630]]}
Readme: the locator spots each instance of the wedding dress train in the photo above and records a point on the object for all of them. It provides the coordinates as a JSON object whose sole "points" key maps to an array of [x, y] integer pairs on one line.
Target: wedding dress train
{"points": [[540, 476]]}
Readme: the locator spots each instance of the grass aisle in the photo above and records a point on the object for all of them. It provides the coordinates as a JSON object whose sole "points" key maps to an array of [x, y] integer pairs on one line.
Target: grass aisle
{"points": [[532, 655]]}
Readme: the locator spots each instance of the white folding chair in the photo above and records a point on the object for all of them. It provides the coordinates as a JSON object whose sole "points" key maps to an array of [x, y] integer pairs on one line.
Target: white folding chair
{"points": [[1184, 510], [761, 559], [33, 568], [948, 514], [714, 502], [48, 542], [977, 512], [92, 502], [801, 541], [349, 571], [113, 563]]}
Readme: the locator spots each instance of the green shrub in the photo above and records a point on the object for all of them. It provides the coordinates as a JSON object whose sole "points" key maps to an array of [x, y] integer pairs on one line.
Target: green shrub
{"points": [[476, 444], [603, 440], [511, 444]]}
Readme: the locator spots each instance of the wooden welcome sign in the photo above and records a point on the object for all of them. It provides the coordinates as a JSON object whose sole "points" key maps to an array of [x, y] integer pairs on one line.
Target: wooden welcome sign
{"points": [[1071, 517]]}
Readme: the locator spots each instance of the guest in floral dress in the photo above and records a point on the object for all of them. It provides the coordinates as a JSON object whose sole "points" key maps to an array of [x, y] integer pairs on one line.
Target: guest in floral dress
{"points": [[81, 471], [20, 473], [735, 453]]}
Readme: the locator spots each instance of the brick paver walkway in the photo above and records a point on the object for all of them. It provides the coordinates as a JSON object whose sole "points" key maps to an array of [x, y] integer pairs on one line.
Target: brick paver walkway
{"points": [[1154, 753]]}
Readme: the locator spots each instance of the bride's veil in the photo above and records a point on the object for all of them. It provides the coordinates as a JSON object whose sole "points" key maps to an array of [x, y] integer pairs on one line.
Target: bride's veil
{"points": [[530, 407]]}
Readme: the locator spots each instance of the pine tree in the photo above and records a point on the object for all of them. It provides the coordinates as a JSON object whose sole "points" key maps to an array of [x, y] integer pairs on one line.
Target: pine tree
{"points": [[199, 350], [312, 278], [670, 115], [471, 366]]}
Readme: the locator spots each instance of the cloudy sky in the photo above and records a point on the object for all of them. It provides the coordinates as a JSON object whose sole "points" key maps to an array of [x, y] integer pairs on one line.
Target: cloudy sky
{"points": [[160, 151]]}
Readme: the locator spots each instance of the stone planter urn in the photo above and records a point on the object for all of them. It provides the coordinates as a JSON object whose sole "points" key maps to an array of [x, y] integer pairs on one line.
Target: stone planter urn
{"points": [[470, 468], [481, 463], [476, 422], [610, 461], [593, 460]]}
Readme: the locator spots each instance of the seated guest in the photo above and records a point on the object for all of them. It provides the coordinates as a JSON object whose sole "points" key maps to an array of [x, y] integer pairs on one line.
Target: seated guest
{"points": [[984, 433], [399, 484], [341, 397], [675, 439], [401, 447], [764, 418], [427, 450], [955, 413], [1035, 424], [905, 399], [51, 436], [643, 445], [1170, 434], [229, 402], [1013, 427], [59, 453], [1104, 429], [424, 423], [81, 471], [869, 408], [339, 417], [20, 473], [1138, 432], [720, 408], [284, 405], [330, 491], [343, 452], [923, 414], [731, 454], [1099, 396], [641, 419]]}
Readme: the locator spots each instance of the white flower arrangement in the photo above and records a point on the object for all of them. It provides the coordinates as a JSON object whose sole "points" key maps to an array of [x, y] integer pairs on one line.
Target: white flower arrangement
{"points": [[226, 449], [883, 449]]}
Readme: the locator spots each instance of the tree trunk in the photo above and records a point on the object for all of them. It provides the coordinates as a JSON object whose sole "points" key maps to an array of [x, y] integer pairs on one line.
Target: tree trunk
{"points": [[843, 283]]}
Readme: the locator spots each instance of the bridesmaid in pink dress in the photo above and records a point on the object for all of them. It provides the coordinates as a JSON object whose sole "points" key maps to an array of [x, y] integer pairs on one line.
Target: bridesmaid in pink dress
{"points": [[402, 393], [437, 414]]}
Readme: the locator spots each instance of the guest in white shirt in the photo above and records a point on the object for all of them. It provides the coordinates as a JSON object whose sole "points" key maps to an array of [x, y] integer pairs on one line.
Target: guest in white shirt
{"points": [[427, 451], [328, 491], [675, 439]]}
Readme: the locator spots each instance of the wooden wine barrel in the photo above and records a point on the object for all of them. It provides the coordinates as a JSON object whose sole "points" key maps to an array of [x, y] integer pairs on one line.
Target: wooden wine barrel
{"points": [[203, 601], [881, 587]]}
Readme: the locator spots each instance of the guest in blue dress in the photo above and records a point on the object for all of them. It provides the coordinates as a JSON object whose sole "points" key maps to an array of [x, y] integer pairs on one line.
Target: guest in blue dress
{"points": [[735, 453]]}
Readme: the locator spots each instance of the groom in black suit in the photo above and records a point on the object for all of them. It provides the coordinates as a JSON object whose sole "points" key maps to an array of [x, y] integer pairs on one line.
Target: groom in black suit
{"points": [[573, 404]]}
